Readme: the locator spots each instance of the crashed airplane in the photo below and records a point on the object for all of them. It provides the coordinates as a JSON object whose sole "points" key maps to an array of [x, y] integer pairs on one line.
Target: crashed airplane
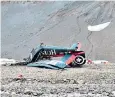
{"points": [[42, 56]]}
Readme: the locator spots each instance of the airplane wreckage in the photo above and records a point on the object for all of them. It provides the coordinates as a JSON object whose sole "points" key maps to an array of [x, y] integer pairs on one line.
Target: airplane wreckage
{"points": [[42, 55]]}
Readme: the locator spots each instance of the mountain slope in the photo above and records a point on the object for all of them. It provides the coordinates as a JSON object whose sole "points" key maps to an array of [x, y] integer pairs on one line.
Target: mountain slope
{"points": [[26, 24]]}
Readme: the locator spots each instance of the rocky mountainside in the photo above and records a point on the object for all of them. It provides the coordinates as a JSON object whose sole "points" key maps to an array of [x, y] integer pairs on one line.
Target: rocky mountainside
{"points": [[26, 24]]}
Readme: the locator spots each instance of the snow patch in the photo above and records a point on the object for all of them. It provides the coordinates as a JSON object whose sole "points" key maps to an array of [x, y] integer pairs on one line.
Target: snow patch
{"points": [[5, 61]]}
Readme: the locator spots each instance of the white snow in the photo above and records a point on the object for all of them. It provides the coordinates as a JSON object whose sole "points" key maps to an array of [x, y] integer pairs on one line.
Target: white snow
{"points": [[5, 61], [98, 27]]}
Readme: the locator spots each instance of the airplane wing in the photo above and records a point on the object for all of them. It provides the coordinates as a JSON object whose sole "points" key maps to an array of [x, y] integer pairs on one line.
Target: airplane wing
{"points": [[51, 64]]}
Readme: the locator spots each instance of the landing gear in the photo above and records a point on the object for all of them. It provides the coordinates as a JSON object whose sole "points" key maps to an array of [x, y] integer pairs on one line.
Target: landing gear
{"points": [[79, 61]]}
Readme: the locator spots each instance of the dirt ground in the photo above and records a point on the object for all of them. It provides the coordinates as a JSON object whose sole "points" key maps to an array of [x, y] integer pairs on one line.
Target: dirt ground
{"points": [[89, 81]]}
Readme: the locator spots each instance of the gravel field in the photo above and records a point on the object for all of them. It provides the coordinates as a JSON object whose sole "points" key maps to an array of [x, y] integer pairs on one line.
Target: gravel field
{"points": [[89, 81]]}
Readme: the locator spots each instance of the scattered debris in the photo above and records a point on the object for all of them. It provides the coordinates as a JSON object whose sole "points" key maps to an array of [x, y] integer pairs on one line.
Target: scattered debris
{"points": [[20, 76], [100, 62], [89, 61], [97, 62]]}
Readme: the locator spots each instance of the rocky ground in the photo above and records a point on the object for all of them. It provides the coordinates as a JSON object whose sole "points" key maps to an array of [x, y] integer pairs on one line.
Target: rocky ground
{"points": [[88, 81]]}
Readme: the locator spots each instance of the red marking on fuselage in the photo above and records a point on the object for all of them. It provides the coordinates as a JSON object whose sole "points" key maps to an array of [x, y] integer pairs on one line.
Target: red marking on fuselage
{"points": [[71, 59], [58, 55], [79, 53]]}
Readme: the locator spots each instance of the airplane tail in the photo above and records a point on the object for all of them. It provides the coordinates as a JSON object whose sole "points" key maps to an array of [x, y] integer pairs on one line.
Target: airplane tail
{"points": [[74, 46]]}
